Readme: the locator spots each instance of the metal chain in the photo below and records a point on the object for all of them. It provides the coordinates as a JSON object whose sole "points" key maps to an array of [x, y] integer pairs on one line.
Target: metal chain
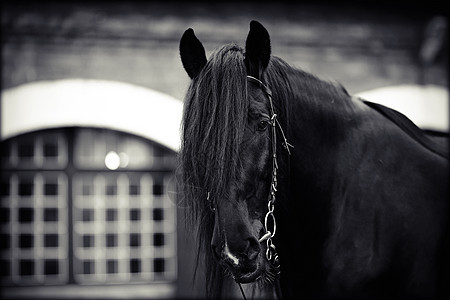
{"points": [[270, 224], [271, 252], [270, 231]]}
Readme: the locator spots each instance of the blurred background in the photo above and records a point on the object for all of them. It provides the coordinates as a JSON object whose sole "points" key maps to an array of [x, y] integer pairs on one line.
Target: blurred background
{"points": [[91, 103]]}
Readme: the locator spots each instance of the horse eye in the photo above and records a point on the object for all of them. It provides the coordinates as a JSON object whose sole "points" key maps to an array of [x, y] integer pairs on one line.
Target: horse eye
{"points": [[262, 125]]}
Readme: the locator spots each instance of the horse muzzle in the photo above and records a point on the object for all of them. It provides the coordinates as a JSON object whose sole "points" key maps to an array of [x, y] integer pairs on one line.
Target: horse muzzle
{"points": [[245, 265]]}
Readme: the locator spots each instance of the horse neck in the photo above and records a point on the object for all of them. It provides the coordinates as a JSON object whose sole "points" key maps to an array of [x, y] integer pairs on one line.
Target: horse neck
{"points": [[320, 114], [316, 116]]}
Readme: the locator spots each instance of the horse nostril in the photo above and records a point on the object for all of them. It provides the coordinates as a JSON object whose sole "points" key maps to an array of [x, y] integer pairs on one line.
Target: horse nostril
{"points": [[250, 249], [253, 248]]}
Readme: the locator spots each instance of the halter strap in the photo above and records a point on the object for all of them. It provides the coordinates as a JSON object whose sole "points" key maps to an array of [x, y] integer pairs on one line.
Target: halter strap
{"points": [[273, 119], [261, 84], [271, 253]]}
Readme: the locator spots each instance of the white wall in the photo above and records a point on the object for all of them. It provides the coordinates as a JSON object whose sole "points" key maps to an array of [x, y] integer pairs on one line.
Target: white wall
{"points": [[91, 103], [427, 106]]}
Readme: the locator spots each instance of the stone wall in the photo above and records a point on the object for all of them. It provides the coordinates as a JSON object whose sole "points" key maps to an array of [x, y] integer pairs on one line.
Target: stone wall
{"points": [[137, 42]]}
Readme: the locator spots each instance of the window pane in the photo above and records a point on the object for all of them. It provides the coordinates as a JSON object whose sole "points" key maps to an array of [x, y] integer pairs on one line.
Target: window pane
{"points": [[135, 266], [51, 267], [88, 267], [158, 189], [26, 188], [26, 150], [26, 267], [5, 267], [111, 214], [88, 241], [87, 189], [4, 189], [135, 214], [26, 215], [50, 149], [112, 266], [111, 190], [26, 241], [134, 190], [50, 215], [51, 189], [88, 215], [51, 240], [158, 239], [4, 215], [158, 214], [111, 240], [135, 240], [158, 265], [5, 241]]}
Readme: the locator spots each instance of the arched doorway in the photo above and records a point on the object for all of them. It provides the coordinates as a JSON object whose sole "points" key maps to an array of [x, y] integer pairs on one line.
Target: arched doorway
{"points": [[87, 191]]}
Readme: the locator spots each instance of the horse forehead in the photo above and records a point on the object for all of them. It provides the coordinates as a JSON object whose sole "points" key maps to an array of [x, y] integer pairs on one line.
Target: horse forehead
{"points": [[258, 103]]}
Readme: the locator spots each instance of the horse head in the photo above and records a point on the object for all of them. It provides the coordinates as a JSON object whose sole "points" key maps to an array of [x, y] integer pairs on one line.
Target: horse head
{"points": [[227, 153]]}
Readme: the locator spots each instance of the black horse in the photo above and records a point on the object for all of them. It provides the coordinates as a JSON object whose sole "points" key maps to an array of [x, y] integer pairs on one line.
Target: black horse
{"points": [[361, 208]]}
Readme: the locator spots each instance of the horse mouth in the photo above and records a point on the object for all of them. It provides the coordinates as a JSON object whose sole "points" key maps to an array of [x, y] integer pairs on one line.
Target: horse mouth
{"points": [[248, 277], [260, 272], [248, 273]]}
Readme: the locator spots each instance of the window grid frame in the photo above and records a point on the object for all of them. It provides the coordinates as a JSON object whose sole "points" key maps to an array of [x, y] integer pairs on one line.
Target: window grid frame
{"points": [[146, 227], [64, 164], [37, 254]]}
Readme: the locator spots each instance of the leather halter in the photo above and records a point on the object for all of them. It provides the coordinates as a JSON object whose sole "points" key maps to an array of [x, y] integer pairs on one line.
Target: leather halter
{"points": [[271, 253]]}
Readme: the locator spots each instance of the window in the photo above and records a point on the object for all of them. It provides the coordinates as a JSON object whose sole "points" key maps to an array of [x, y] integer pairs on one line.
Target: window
{"points": [[83, 205]]}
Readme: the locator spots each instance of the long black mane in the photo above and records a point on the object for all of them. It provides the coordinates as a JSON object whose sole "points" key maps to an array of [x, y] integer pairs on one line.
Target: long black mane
{"points": [[214, 120]]}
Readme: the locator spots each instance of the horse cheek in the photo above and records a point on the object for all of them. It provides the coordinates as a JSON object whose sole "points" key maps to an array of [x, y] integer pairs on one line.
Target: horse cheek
{"points": [[259, 176]]}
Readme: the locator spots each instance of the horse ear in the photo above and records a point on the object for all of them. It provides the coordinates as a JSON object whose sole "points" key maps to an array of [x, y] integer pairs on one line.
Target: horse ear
{"points": [[192, 53], [257, 49]]}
